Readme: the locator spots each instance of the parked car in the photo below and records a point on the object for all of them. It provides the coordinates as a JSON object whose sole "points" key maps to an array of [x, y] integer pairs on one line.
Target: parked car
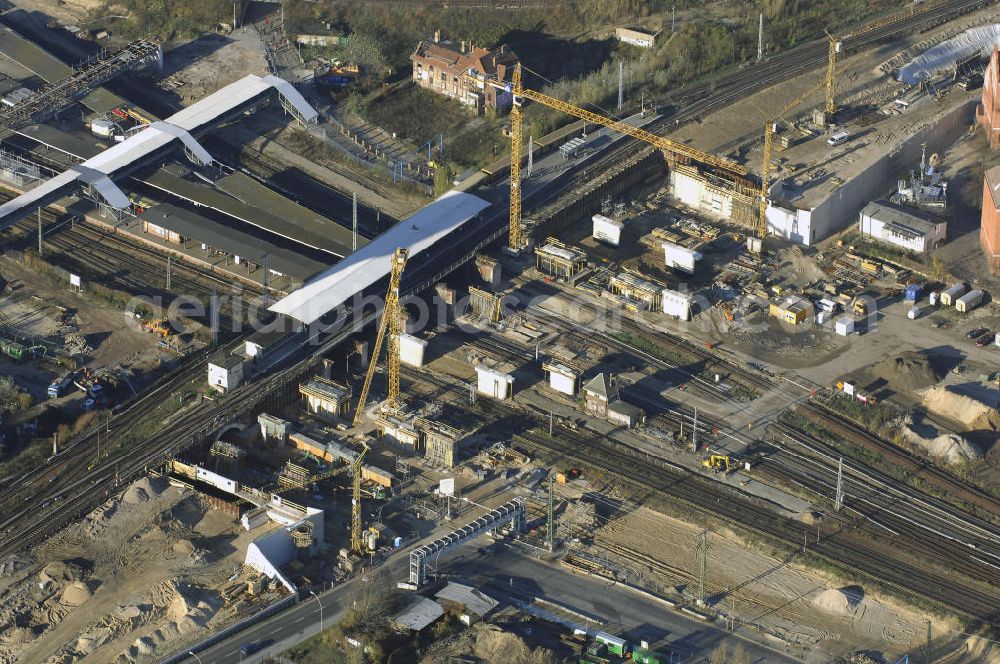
{"points": [[986, 339], [976, 333]]}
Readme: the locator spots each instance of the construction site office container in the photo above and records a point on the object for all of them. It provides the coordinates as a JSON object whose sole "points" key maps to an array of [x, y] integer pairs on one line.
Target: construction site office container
{"points": [[844, 326], [933, 298], [954, 292], [969, 301], [913, 292], [616, 646]]}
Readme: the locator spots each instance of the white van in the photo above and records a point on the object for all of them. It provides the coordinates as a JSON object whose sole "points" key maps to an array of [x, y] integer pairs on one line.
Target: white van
{"points": [[838, 138]]}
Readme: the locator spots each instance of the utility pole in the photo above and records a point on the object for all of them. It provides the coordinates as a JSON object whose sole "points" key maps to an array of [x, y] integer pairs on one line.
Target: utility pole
{"points": [[838, 499], [760, 38], [214, 317], [694, 430], [39, 231], [621, 83], [702, 566], [673, 19], [550, 422], [354, 221], [266, 278], [168, 271], [550, 527]]}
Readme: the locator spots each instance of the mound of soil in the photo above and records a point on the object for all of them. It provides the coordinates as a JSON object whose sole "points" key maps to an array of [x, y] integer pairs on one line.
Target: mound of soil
{"points": [[142, 490], [844, 601], [909, 371], [947, 402], [950, 448], [75, 594], [59, 572]]}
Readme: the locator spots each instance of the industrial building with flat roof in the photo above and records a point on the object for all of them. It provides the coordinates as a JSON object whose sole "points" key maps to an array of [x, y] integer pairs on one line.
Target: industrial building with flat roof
{"points": [[907, 228]]}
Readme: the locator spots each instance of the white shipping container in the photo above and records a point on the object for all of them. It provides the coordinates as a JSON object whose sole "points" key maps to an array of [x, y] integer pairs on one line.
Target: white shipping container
{"points": [[607, 230], [680, 257], [562, 383], [102, 128], [844, 326], [411, 350], [969, 301], [494, 383], [949, 296], [676, 303], [933, 299], [913, 313], [822, 316]]}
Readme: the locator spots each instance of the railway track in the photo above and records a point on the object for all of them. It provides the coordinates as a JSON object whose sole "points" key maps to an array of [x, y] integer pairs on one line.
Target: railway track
{"points": [[912, 464], [140, 266], [974, 600], [851, 545]]}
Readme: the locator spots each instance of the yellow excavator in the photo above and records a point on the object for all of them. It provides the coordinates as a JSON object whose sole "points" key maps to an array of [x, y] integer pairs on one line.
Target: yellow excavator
{"points": [[720, 463]]}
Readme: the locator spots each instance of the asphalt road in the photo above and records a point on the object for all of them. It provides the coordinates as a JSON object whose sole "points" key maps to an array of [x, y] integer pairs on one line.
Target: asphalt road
{"points": [[513, 578]]}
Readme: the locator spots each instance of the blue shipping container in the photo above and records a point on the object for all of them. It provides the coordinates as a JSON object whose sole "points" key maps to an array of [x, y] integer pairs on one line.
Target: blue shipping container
{"points": [[913, 292]]}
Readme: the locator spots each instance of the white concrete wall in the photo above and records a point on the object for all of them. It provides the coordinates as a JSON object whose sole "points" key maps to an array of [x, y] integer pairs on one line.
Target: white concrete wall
{"points": [[218, 481], [562, 383], [607, 230], [411, 350], [681, 258], [494, 383], [676, 303], [842, 206]]}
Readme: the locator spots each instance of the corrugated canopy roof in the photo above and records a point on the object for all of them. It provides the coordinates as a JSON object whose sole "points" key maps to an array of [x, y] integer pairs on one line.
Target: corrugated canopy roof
{"points": [[418, 232]]}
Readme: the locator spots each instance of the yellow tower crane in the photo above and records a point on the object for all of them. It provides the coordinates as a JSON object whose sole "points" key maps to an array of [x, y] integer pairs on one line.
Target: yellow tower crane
{"points": [[679, 151], [391, 321], [836, 46], [830, 109], [357, 543], [768, 153]]}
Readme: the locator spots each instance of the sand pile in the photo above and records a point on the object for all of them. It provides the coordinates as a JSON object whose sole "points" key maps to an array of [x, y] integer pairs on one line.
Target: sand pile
{"points": [[183, 547], [909, 371], [142, 490], [844, 601], [493, 645], [962, 407], [950, 448], [75, 594], [59, 572]]}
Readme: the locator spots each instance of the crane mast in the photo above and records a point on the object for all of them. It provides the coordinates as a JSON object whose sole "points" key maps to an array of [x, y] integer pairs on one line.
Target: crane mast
{"points": [[391, 321], [357, 545], [516, 238], [686, 152]]}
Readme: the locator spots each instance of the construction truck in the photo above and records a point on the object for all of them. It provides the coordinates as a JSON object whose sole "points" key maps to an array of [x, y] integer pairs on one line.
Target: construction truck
{"points": [[720, 463], [860, 306], [160, 328]]}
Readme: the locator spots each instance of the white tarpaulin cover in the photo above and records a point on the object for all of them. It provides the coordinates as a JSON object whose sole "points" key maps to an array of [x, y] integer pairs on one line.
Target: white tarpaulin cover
{"points": [[944, 56]]}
